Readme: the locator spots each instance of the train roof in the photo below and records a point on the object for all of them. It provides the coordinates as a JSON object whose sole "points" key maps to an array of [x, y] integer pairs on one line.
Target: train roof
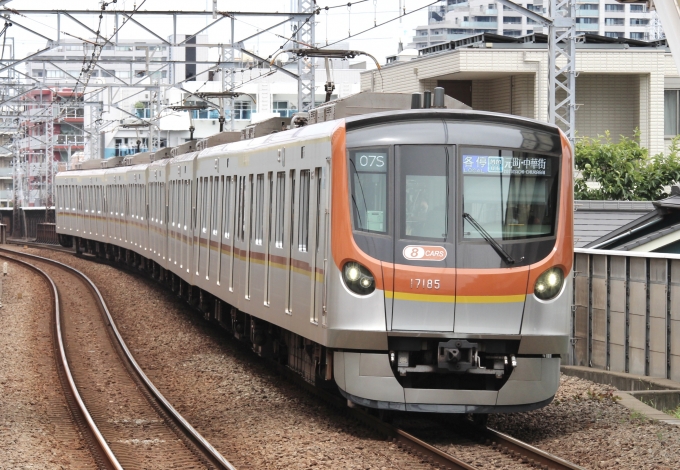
{"points": [[366, 120]]}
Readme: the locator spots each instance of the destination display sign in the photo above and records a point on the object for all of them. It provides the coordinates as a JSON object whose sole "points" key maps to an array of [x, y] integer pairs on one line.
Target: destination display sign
{"points": [[523, 165], [370, 161]]}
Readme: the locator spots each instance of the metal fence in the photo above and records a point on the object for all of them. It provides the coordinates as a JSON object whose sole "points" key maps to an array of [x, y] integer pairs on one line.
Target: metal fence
{"points": [[626, 312]]}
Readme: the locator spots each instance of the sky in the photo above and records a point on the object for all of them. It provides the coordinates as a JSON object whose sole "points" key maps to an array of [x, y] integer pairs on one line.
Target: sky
{"points": [[332, 25]]}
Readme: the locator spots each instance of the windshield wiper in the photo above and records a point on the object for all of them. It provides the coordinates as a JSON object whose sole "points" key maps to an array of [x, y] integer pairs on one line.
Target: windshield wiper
{"points": [[490, 240]]}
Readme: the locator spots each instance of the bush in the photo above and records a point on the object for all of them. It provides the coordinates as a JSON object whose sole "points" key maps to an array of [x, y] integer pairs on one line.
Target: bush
{"points": [[623, 170]]}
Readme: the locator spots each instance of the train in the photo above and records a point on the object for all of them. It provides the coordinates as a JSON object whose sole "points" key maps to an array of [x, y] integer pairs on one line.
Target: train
{"points": [[417, 260]]}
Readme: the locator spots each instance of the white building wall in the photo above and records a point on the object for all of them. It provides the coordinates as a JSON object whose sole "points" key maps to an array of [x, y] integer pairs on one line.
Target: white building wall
{"points": [[606, 102]]}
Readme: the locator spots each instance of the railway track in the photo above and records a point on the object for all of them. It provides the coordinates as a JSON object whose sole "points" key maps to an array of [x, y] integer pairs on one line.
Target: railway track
{"points": [[466, 447], [125, 420]]}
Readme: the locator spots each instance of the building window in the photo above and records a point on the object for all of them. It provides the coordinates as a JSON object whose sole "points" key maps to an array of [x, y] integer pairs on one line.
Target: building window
{"points": [[615, 7], [639, 21], [613, 34], [638, 36], [123, 48], [73, 47], [671, 119], [588, 6], [284, 108], [512, 32], [613, 22], [512, 19], [421, 32], [587, 20], [485, 19], [205, 114], [638, 8], [536, 8], [242, 110], [37, 73], [55, 74]]}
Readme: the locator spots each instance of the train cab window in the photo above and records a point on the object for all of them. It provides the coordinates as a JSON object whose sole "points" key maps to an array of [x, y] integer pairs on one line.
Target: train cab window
{"points": [[303, 214], [424, 191], [511, 194], [280, 208], [368, 188]]}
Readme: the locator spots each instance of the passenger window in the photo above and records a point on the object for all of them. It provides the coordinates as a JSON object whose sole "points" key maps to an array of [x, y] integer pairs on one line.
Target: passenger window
{"points": [[205, 202], [292, 209], [303, 211], [280, 201], [318, 207], [215, 205], [259, 209], [227, 207], [242, 208]]}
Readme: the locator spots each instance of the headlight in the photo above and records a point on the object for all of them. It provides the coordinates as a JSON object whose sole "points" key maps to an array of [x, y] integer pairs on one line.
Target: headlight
{"points": [[549, 284], [358, 279]]}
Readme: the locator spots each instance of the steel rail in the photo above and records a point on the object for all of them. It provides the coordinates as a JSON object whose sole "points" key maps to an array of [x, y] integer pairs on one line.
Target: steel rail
{"points": [[99, 438], [529, 454], [216, 456]]}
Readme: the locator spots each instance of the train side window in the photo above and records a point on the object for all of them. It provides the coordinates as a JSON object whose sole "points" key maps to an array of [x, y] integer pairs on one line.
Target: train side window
{"points": [[241, 227], [259, 210], [205, 201], [215, 205], [271, 209], [303, 211], [227, 207], [318, 207], [280, 208], [292, 209]]}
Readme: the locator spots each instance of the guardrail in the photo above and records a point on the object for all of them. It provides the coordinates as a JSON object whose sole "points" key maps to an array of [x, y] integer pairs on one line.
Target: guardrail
{"points": [[626, 312]]}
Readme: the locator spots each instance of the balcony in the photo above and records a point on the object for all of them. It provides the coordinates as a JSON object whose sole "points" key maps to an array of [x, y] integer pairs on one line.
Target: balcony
{"points": [[6, 194], [71, 113], [587, 13], [480, 24], [65, 139], [6, 172], [587, 26]]}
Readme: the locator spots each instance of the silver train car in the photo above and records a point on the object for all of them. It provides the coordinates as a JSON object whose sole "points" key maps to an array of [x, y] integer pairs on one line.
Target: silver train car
{"points": [[421, 260]]}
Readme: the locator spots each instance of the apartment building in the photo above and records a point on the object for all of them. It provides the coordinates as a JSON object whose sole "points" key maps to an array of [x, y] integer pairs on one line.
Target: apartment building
{"points": [[454, 19]]}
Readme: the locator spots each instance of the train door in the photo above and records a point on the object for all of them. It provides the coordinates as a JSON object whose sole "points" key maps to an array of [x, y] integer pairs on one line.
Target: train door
{"points": [[303, 274], [423, 287]]}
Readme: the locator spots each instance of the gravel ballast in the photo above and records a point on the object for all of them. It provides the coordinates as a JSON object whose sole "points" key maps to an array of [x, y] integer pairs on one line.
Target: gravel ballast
{"points": [[36, 427], [245, 410]]}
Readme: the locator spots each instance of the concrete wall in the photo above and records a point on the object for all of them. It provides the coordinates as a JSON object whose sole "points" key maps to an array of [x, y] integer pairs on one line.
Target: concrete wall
{"points": [[512, 95], [600, 107]]}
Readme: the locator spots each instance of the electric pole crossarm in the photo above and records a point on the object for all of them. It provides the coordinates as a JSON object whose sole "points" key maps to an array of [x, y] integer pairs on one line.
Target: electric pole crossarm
{"points": [[49, 40], [97, 35], [25, 59], [130, 18], [280, 69], [190, 37]]}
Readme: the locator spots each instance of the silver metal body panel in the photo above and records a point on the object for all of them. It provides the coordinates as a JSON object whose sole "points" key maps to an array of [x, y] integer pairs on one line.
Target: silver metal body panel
{"points": [[211, 219], [489, 318], [368, 377]]}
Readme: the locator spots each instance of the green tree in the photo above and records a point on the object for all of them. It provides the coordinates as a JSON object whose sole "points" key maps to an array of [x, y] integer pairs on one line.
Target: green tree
{"points": [[623, 169]]}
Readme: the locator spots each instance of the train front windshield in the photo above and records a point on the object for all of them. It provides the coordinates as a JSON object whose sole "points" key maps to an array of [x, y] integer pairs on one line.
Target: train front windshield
{"points": [[511, 194]]}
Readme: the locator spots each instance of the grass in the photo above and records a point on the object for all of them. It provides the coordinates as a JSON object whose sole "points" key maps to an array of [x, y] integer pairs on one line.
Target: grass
{"points": [[675, 413]]}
